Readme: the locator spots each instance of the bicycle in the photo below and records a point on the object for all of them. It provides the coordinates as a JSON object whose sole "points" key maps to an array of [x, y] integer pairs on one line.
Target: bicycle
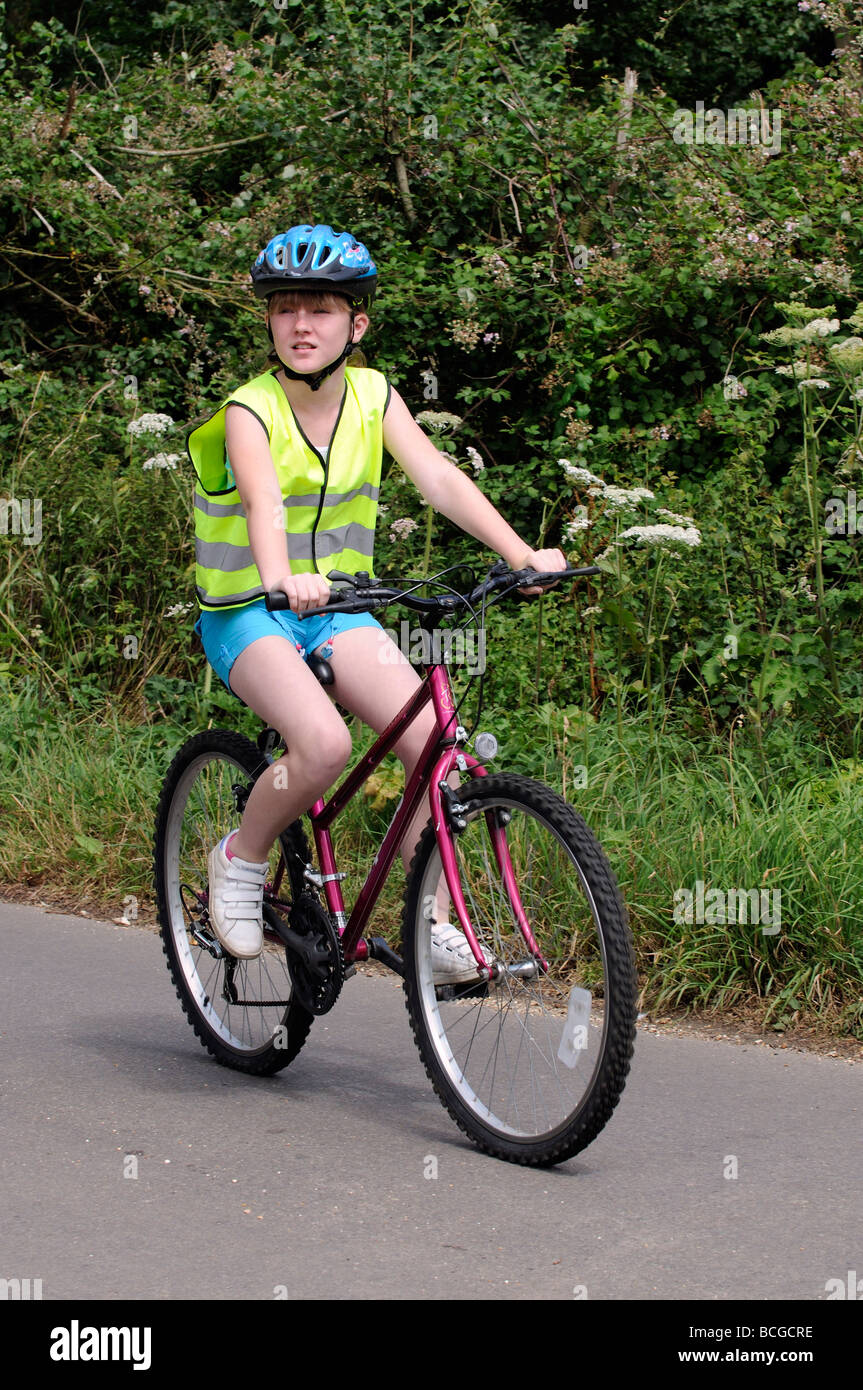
{"points": [[531, 1057]]}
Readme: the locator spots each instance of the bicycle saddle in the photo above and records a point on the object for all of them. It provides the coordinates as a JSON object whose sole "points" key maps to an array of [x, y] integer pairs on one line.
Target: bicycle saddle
{"points": [[321, 669]]}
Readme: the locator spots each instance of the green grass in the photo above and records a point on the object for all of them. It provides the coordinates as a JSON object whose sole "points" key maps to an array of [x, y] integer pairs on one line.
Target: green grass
{"points": [[670, 815], [79, 791]]}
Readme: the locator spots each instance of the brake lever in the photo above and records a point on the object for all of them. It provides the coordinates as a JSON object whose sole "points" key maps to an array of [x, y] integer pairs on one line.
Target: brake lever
{"points": [[361, 580]]}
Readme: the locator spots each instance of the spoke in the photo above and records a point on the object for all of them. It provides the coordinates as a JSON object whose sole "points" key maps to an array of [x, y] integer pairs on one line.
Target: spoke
{"points": [[502, 1017], [473, 1036], [501, 1049], [204, 810]]}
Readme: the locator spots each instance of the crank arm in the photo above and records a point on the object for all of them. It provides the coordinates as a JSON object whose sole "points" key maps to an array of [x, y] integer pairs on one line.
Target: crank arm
{"points": [[305, 947]]}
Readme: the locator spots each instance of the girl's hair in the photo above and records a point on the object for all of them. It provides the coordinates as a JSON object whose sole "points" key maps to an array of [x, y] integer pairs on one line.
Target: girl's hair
{"points": [[313, 299]]}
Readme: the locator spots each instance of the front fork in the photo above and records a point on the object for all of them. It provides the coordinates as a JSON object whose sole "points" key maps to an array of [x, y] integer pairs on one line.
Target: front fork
{"points": [[448, 808]]}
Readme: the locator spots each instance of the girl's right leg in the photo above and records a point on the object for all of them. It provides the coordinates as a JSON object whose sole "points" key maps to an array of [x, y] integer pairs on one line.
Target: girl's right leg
{"points": [[274, 681]]}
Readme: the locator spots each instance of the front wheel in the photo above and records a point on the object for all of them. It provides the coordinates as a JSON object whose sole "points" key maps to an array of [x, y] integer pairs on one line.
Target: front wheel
{"points": [[532, 1063], [243, 1011]]}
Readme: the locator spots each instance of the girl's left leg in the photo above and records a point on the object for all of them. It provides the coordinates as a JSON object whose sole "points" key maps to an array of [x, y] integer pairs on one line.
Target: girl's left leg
{"points": [[374, 680]]}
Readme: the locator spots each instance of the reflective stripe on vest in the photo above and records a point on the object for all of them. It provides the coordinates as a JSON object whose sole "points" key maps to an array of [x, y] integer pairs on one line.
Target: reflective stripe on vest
{"points": [[330, 509]]}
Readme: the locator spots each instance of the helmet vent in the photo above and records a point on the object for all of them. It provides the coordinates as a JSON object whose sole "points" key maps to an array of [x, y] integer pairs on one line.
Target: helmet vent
{"points": [[309, 257]]}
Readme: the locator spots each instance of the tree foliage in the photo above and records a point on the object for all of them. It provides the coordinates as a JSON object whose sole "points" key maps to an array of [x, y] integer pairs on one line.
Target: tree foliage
{"points": [[556, 268]]}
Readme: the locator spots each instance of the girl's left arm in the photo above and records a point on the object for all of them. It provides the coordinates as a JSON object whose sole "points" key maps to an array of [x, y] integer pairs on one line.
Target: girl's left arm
{"points": [[454, 494]]}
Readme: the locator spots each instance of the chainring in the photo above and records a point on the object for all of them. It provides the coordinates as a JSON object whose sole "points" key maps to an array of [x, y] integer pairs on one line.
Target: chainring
{"points": [[316, 984]]}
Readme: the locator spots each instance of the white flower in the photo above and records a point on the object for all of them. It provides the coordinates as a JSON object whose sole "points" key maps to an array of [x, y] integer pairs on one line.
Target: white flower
{"points": [[438, 420], [656, 535], [150, 424], [580, 475], [816, 328], [475, 459], [621, 498], [162, 461], [848, 353], [797, 369], [578, 523], [177, 609], [813, 383], [673, 516], [401, 528], [823, 327]]}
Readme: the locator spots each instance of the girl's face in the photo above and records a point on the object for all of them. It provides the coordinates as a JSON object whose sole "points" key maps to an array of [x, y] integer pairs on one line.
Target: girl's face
{"points": [[310, 330]]}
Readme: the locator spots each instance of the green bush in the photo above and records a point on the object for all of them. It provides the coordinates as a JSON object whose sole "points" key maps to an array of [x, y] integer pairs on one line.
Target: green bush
{"points": [[556, 270]]}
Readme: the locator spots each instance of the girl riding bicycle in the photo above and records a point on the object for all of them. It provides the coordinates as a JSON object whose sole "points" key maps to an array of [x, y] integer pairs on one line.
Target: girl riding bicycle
{"points": [[289, 473]]}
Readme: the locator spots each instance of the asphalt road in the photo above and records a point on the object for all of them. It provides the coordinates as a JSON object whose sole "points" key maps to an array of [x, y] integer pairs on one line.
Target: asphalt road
{"points": [[311, 1184]]}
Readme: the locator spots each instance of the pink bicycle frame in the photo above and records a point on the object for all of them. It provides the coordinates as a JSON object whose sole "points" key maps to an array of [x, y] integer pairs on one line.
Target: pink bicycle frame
{"points": [[432, 769]]}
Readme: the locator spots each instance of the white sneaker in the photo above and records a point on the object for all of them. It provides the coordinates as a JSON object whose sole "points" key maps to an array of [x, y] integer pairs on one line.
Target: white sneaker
{"points": [[236, 899], [452, 959]]}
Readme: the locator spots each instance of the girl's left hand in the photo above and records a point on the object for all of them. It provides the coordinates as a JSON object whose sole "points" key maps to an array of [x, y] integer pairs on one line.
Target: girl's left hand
{"points": [[542, 561]]}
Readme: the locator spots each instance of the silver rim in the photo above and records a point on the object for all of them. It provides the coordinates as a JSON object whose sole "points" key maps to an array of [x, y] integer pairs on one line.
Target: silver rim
{"points": [[501, 1051], [202, 811]]}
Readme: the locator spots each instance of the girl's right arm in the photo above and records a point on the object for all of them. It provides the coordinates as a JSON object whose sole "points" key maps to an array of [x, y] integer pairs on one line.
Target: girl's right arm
{"points": [[258, 486]]}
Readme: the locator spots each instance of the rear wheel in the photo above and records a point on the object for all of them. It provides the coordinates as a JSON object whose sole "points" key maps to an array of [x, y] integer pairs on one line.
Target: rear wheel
{"points": [[532, 1063], [243, 1011]]}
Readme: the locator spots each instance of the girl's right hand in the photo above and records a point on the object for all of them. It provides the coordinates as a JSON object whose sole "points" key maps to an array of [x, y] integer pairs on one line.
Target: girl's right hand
{"points": [[304, 591]]}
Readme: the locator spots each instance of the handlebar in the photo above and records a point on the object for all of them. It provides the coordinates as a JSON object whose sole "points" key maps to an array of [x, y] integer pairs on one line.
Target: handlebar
{"points": [[369, 595]]}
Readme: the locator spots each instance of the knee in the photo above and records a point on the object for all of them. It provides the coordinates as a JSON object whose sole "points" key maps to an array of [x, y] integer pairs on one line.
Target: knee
{"points": [[323, 750], [338, 747]]}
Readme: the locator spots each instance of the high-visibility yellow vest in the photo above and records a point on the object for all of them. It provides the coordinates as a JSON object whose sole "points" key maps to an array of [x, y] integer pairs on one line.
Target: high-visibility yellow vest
{"points": [[330, 507]]}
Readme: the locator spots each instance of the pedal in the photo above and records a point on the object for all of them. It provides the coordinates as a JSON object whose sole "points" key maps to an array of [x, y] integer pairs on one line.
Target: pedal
{"points": [[202, 938]]}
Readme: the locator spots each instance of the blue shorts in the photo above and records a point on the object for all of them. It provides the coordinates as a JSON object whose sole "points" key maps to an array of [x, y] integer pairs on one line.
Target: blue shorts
{"points": [[226, 634]]}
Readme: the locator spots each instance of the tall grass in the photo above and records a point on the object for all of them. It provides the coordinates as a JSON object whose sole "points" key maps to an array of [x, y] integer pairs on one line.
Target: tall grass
{"points": [[78, 793], [670, 815]]}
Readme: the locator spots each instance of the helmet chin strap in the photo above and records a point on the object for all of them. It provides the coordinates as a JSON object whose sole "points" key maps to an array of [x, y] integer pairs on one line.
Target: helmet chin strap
{"points": [[315, 380]]}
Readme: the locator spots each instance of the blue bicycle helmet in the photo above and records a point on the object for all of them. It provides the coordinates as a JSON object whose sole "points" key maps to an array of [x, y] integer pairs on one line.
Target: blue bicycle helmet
{"points": [[315, 258]]}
